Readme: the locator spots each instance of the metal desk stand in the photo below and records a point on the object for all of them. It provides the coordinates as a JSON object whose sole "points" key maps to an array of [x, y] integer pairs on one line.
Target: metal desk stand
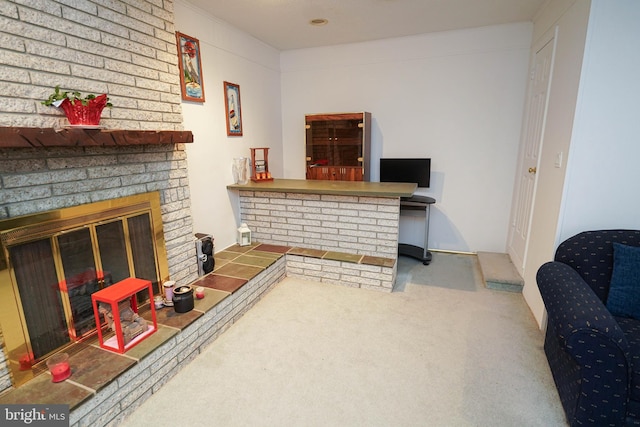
{"points": [[417, 203]]}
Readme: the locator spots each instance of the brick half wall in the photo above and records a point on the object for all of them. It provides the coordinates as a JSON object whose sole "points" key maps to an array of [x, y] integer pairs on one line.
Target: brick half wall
{"points": [[351, 224]]}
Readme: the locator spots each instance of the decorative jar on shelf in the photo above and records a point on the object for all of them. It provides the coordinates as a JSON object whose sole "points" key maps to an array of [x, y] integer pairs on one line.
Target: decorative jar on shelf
{"points": [[241, 170], [59, 368], [80, 111], [80, 114]]}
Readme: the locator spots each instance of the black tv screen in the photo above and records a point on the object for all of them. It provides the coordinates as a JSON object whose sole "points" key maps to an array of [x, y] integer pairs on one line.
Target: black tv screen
{"points": [[406, 170]]}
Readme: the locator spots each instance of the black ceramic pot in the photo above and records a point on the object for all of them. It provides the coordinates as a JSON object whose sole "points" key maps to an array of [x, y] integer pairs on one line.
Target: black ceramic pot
{"points": [[183, 299]]}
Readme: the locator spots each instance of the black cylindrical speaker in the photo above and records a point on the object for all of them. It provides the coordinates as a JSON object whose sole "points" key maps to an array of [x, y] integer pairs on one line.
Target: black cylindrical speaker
{"points": [[204, 252]]}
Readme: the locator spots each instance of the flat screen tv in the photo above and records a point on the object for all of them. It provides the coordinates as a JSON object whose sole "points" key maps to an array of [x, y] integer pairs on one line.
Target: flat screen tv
{"points": [[406, 170]]}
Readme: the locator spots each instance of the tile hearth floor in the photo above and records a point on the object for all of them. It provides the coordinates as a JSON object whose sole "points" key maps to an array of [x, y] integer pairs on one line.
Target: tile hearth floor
{"points": [[93, 368]]}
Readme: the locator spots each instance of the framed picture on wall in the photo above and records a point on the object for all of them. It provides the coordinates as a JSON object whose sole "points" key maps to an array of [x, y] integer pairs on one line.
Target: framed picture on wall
{"points": [[191, 83], [232, 108]]}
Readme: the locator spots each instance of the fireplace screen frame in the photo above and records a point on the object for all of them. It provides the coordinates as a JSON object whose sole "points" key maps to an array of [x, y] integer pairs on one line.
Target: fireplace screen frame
{"points": [[48, 225]]}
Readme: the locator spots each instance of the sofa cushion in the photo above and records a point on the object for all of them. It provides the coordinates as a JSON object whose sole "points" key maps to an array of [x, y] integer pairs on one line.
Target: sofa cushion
{"points": [[631, 329], [624, 291]]}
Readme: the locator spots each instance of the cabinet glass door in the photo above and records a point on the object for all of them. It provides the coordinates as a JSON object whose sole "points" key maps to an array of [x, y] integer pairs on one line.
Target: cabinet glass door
{"points": [[334, 147]]}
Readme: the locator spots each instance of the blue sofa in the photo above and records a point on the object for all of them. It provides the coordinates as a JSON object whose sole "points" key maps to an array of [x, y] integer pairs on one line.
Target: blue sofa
{"points": [[594, 355]]}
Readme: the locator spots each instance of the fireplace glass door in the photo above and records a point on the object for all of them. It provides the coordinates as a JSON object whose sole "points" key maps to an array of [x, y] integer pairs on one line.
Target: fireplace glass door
{"points": [[90, 258], [80, 278], [37, 283], [142, 252], [51, 264]]}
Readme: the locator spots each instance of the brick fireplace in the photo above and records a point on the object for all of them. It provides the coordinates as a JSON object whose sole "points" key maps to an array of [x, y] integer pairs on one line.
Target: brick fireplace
{"points": [[57, 259], [42, 179], [124, 49]]}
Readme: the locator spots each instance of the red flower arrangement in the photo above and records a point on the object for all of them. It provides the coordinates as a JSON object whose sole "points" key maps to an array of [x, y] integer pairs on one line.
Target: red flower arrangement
{"points": [[79, 111], [79, 114]]}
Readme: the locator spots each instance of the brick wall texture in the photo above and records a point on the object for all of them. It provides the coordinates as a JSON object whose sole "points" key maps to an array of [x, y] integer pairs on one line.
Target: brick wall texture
{"points": [[126, 49], [342, 273], [352, 224], [5, 378]]}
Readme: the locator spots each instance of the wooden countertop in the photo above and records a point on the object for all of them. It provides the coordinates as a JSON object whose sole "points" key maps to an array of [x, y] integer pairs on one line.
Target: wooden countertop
{"points": [[344, 188]]}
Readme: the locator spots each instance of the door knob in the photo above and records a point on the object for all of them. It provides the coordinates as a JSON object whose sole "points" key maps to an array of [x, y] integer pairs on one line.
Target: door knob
{"points": [[533, 170]]}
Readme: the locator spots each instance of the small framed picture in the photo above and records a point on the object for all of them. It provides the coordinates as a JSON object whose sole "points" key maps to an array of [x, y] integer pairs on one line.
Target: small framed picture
{"points": [[232, 108], [191, 82]]}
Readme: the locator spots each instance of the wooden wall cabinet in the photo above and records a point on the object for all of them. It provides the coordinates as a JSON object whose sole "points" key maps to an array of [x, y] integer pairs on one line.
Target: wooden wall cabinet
{"points": [[338, 146]]}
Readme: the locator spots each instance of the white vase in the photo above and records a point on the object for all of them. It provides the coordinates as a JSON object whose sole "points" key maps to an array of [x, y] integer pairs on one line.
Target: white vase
{"points": [[241, 170]]}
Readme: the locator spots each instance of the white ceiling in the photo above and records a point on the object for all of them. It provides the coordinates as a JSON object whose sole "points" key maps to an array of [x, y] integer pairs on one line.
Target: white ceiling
{"points": [[284, 24]]}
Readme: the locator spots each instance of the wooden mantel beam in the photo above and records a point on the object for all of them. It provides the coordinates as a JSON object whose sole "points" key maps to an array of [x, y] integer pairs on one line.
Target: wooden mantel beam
{"points": [[26, 137]]}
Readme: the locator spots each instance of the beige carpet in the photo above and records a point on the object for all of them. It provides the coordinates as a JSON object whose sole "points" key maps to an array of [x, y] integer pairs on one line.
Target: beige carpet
{"points": [[442, 350]]}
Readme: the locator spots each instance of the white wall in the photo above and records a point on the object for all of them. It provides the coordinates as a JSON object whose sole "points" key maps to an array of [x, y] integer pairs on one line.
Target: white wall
{"points": [[227, 55], [603, 177], [456, 97]]}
